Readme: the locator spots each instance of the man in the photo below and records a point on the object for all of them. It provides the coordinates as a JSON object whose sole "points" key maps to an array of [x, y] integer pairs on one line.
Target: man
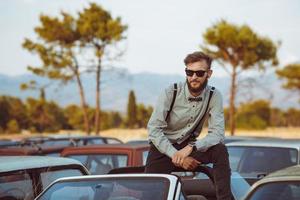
{"points": [[172, 134]]}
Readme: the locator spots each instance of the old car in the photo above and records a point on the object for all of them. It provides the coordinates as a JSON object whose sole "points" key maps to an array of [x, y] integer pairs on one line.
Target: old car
{"points": [[280, 185], [68, 140], [31, 151], [115, 187], [125, 183], [99, 159], [24, 177], [256, 158]]}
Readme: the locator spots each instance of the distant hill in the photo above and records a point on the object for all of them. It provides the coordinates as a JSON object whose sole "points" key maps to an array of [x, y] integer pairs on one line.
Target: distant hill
{"points": [[147, 86]]}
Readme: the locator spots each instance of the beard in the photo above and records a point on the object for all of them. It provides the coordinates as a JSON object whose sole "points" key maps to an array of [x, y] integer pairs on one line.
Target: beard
{"points": [[197, 89]]}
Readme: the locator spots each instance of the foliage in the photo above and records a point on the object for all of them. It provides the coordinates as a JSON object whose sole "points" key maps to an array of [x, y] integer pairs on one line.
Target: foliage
{"points": [[69, 45], [131, 110], [291, 75], [238, 48], [13, 126]]}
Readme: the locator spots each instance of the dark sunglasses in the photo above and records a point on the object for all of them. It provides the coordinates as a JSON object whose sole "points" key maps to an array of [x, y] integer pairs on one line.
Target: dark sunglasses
{"points": [[199, 73]]}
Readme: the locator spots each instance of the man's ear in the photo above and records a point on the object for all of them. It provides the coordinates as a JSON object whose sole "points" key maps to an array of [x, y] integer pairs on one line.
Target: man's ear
{"points": [[209, 73]]}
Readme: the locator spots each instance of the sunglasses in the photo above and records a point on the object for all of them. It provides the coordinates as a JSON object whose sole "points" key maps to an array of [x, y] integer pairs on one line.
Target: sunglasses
{"points": [[199, 73]]}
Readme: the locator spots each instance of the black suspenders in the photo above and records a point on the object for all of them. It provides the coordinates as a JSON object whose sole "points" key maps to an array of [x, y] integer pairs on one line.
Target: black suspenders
{"points": [[173, 101]]}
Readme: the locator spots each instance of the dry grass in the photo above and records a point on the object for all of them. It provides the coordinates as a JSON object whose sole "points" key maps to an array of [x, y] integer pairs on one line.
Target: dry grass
{"points": [[135, 134]]}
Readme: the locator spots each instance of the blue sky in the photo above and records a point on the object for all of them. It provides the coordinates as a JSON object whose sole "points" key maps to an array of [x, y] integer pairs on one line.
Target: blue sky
{"points": [[161, 32]]}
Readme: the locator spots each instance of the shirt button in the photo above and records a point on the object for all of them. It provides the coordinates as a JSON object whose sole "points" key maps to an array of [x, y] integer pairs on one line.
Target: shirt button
{"points": [[193, 106]]}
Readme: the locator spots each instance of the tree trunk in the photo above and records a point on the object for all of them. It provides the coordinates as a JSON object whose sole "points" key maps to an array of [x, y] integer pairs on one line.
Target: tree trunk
{"points": [[97, 114], [232, 101], [83, 105]]}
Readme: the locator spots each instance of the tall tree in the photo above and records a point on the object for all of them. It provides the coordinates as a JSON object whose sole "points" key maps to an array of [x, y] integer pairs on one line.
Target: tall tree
{"points": [[131, 110], [291, 74], [238, 48], [99, 30], [69, 46], [58, 48]]}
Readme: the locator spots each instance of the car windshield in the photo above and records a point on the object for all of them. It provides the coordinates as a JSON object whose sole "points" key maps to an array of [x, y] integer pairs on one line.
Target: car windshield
{"points": [[101, 163], [255, 161], [17, 185], [278, 190], [117, 188]]}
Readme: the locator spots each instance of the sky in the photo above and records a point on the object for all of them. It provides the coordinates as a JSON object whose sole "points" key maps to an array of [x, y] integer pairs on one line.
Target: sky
{"points": [[160, 32]]}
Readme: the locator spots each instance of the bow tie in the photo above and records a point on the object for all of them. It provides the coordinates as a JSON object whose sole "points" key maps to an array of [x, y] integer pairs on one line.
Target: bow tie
{"points": [[195, 99]]}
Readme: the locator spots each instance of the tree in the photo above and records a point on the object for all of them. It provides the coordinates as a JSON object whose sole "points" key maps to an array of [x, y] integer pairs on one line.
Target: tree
{"points": [[33, 85], [241, 49], [143, 115], [13, 126], [131, 110], [99, 30], [291, 74], [254, 115], [58, 49], [72, 45]]}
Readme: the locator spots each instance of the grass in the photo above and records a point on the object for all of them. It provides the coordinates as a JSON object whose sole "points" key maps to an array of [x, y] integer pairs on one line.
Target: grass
{"points": [[135, 134]]}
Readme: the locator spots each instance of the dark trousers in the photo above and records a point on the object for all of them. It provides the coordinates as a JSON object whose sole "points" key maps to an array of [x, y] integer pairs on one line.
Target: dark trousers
{"points": [[217, 155]]}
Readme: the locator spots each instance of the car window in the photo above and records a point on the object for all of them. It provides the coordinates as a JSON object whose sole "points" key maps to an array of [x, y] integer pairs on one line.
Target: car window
{"points": [[16, 186], [50, 176], [110, 189], [145, 155], [280, 190], [252, 161], [112, 141], [51, 143], [101, 163]]}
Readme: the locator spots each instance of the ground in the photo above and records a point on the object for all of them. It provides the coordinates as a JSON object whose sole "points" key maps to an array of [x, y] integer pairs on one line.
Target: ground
{"points": [[135, 134]]}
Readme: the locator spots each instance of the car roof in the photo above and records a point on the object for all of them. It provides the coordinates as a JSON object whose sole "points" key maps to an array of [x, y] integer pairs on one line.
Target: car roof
{"points": [[13, 163], [290, 171], [283, 143], [283, 175], [113, 146]]}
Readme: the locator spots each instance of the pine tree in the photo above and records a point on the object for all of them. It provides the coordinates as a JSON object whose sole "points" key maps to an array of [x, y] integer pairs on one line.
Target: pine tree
{"points": [[131, 110]]}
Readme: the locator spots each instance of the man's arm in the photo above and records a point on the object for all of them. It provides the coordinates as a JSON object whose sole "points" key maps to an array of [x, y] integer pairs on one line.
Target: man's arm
{"points": [[216, 126], [157, 124]]}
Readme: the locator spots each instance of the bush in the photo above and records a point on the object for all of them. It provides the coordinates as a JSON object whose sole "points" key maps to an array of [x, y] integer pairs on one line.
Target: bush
{"points": [[13, 127]]}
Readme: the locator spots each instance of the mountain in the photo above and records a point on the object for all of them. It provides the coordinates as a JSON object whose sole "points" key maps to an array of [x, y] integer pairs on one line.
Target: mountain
{"points": [[147, 86]]}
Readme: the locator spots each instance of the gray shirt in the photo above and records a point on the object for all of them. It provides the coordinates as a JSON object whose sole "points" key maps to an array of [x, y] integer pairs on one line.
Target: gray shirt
{"points": [[183, 119]]}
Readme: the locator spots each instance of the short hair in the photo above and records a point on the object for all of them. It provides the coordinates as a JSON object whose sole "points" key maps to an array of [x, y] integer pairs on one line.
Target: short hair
{"points": [[198, 56]]}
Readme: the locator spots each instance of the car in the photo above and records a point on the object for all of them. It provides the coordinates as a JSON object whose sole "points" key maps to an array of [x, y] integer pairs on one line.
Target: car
{"points": [[99, 159], [229, 139], [115, 187], [280, 185], [130, 184], [255, 159], [32, 150], [6, 143], [68, 140], [24, 177], [137, 142]]}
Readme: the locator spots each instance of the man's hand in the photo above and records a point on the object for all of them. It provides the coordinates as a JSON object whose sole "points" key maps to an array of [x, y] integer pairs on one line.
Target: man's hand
{"points": [[179, 156], [190, 163]]}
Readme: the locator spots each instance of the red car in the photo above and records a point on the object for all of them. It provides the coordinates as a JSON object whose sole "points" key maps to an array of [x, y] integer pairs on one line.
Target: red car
{"points": [[101, 159]]}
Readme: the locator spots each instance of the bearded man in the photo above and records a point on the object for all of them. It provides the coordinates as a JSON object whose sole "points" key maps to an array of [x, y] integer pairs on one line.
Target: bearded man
{"points": [[177, 121]]}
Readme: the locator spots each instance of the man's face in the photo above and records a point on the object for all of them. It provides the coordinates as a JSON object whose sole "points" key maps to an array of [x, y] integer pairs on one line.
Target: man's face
{"points": [[198, 83]]}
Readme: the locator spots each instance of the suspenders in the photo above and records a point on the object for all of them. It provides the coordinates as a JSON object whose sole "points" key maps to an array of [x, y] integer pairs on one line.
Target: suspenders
{"points": [[203, 116], [173, 101]]}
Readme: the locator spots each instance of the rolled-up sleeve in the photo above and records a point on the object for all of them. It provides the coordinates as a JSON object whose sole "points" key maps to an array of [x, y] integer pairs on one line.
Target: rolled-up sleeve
{"points": [[216, 125], [157, 124]]}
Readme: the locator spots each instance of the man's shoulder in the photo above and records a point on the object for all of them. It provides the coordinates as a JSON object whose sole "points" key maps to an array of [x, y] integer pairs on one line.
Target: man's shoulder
{"points": [[215, 90], [171, 87]]}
